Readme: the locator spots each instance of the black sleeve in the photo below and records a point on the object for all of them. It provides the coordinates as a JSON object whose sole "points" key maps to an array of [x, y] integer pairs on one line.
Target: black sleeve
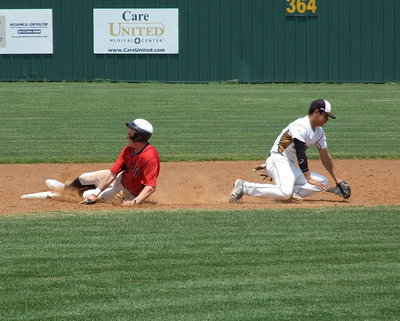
{"points": [[300, 148]]}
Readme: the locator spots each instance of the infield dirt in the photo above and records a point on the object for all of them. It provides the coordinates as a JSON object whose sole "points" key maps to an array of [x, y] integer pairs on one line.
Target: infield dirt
{"points": [[201, 185]]}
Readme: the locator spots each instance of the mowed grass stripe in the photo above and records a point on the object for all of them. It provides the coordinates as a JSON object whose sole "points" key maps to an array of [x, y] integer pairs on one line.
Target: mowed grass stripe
{"points": [[325, 264], [84, 122]]}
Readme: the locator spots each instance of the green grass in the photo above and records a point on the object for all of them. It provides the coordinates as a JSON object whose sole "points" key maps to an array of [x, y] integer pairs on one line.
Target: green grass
{"points": [[84, 122], [325, 264]]}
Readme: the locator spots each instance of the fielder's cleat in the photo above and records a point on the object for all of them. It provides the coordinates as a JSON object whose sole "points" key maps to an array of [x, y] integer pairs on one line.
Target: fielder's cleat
{"points": [[237, 192], [54, 185], [296, 198]]}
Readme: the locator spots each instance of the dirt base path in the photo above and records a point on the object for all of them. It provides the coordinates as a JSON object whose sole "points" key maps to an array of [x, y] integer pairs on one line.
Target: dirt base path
{"points": [[203, 185]]}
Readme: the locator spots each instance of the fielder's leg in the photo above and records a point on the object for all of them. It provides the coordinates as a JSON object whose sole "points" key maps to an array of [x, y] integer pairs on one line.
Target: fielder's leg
{"points": [[303, 188], [281, 171]]}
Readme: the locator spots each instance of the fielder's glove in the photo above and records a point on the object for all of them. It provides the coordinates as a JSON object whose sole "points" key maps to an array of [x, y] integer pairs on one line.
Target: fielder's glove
{"points": [[342, 189]]}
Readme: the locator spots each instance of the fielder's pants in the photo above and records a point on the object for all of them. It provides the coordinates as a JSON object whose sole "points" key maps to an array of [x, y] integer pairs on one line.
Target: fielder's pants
{"points": [[287, 178]]}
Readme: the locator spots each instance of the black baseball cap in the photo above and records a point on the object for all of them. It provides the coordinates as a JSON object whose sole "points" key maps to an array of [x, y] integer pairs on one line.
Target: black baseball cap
{"points": [[322, 105]]}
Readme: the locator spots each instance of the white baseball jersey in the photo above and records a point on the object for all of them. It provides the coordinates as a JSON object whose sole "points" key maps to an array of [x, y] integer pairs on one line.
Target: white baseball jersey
{"points": [[302, 130]]}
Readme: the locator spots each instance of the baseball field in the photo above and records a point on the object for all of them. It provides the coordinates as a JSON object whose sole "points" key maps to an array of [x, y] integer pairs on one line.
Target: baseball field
{"points": [[188, 254]]}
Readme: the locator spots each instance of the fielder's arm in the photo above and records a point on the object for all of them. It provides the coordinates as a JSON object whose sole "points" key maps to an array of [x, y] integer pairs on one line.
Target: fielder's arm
{"points": [[300, 148], [326, 160]]}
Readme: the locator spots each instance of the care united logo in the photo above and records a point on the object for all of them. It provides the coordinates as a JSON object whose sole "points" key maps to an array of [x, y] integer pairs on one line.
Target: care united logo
{"points": [[136, 28], [135, 31]]}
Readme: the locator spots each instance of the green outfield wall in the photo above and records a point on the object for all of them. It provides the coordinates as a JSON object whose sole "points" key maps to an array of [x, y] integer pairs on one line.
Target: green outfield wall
{"points": [[221, 40]]}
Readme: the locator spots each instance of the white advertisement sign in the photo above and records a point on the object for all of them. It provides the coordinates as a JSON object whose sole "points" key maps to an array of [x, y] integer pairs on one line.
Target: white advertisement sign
{"points": [[26, 31], [135, 31]]}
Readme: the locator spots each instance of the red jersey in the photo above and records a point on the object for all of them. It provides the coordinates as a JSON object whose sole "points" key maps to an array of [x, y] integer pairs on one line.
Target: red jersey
{"points": [[140, 169]]}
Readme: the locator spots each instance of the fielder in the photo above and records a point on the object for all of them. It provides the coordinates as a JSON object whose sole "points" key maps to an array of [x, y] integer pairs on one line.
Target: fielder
{"points": [[287, 163], [131, 180]]}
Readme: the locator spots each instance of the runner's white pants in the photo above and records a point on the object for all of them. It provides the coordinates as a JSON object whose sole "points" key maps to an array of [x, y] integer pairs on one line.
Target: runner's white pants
{"points": [[287, 178], [115, 190]]}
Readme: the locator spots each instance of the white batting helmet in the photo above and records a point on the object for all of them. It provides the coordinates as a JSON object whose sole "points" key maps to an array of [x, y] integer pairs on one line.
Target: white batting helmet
{"points": [[144, 130]]}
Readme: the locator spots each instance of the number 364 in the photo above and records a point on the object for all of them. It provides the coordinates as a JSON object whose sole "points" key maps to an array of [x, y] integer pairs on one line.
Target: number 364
{"points": [[301, 6]]}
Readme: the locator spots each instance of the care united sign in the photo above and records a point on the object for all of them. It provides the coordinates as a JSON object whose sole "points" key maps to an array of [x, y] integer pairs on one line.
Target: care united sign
{"points": [[135, 31]]}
